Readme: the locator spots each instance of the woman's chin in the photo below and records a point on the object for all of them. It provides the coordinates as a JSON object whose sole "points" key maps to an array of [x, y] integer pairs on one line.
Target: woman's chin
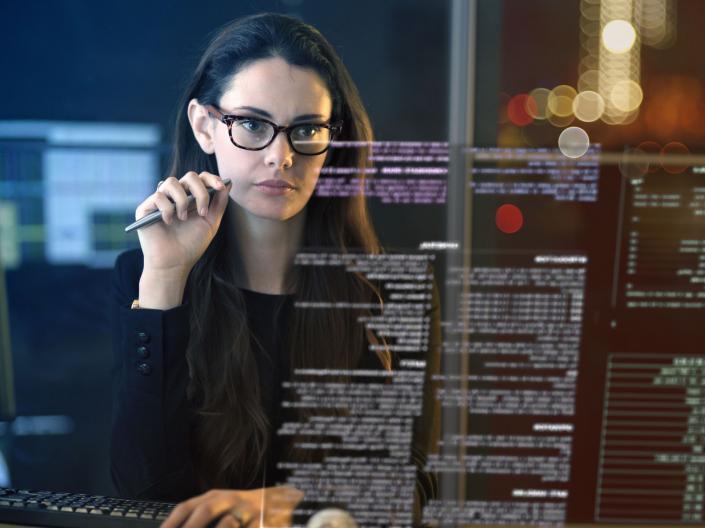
{"points": [[278, 212]]}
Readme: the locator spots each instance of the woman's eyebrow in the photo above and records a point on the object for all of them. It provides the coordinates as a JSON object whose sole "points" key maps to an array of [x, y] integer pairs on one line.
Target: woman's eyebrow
{"points": [[267, 115]]}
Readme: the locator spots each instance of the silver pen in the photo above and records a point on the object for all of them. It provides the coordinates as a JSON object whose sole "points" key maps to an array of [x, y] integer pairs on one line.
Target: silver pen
{"points": [[156, 216]]}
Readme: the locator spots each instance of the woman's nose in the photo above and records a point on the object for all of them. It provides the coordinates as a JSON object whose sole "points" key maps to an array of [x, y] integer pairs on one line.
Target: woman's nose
{"points": [[279, 153]]}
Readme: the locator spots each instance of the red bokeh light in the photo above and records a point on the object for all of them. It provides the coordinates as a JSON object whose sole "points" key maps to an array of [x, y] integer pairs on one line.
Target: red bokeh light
{"points": [[509, 219], [674, 147], [516, 110]]}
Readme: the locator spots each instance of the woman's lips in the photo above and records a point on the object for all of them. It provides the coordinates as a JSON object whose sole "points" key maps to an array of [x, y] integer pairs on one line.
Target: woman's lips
{"points": [[275, 183], [275, 187]]}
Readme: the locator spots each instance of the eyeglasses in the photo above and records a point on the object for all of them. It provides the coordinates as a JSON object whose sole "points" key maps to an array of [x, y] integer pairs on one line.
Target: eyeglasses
{"points": [[253, 133]]}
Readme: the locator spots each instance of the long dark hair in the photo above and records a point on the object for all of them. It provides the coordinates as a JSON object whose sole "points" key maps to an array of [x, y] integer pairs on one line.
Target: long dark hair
{"points": [[232, 436]]}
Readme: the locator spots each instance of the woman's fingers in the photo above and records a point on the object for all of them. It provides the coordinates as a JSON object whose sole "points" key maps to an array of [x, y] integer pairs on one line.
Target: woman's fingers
{"points": [[164, 201], [218, 204], [173, 201], [197, 188], [275, 505], [204, 510], [212, 180], [181, 512], [166, 207], [176, 192], [150, 205]]}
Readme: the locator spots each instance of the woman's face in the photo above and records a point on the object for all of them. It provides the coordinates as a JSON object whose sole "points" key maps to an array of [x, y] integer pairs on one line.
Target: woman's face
{"points": [[284, 94]]}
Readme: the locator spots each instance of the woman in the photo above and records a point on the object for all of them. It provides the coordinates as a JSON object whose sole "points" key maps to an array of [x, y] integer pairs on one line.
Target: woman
{"points": [[200, 311]]}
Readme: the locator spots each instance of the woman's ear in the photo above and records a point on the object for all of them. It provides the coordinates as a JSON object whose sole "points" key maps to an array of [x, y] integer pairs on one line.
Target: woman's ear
{"points": [[202, 126]]}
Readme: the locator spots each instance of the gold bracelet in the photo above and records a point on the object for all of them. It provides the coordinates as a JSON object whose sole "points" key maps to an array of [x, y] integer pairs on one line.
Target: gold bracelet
{"points": [[135, 305]]}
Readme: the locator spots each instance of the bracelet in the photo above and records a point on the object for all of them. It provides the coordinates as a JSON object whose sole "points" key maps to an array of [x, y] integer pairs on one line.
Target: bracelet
{"points": [[135, 305]]}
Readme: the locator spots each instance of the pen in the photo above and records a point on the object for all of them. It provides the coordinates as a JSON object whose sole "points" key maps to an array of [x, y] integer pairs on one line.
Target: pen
{"points": [[156, 216]]}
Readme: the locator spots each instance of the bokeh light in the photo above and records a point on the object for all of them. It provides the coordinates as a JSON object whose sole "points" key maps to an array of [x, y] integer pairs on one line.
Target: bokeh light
{"points": [[590, 27], [620, 70], [590, 11], [588, 80], [560, 100], [560, 121], [618, 36], [632, 165], [510, 136], [617, 117], [626, 95], [674, 148], [588, 106], [573, 142], [516, 110], [509, 218], [656, 20], [537, 104], [650, 147]]}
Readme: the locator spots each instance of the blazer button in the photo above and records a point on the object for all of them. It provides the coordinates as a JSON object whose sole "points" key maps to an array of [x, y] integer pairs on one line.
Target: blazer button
{"points": [[143, 337], [144, 368], [143, 352]]}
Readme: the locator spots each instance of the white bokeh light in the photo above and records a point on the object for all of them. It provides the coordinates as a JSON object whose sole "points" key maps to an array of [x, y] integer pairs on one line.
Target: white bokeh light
{"points": [[573, 142], [618, 36]]}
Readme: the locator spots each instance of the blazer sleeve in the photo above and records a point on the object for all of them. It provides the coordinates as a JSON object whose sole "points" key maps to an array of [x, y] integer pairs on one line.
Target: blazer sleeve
{"points": [[152, 418]]}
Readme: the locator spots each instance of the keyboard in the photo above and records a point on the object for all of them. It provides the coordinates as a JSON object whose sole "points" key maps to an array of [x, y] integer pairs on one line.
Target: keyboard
{"points": [[76, 510]]}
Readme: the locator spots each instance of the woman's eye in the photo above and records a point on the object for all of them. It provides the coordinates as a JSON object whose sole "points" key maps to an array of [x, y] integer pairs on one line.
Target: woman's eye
{"points": [[308, 131], [251, 125]]}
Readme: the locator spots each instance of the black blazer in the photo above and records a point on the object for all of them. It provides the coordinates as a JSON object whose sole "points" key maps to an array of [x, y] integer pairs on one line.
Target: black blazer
{"points": [[152, 418]]}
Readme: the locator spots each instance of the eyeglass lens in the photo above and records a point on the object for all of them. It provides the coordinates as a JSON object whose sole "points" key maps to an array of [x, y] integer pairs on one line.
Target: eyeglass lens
{"points": [[306, 139]]}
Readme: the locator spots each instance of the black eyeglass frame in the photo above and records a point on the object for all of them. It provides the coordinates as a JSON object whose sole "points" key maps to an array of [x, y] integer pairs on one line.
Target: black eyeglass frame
{"points": [[229, 119]]}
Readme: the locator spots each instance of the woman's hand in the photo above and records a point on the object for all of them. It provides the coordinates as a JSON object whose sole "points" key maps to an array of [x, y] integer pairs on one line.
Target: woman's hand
{"points": [[175, 245], [172, 248], [237, 508]]}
